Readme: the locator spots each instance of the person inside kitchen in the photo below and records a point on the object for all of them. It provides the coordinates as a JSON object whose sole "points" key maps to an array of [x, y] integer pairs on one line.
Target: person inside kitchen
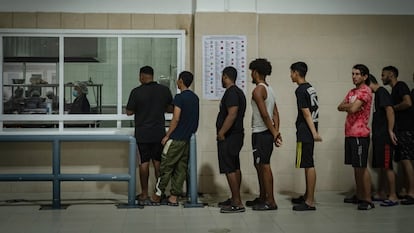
{"points": [[16, 102], [81, 103]]}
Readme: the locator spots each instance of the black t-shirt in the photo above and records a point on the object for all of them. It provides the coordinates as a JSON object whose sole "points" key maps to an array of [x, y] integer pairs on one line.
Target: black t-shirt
{"points": [[188, 102], [233, 96], [306, 97], [403, 119], [379, 120], [149, 103]]}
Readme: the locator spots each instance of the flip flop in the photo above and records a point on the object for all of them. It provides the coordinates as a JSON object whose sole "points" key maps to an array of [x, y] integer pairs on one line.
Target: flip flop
{"points": [[409, 200], [169, 203], [389, 203]]}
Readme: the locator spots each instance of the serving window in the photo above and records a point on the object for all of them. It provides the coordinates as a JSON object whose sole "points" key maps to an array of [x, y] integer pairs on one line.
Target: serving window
{"points": [[43, 73]]}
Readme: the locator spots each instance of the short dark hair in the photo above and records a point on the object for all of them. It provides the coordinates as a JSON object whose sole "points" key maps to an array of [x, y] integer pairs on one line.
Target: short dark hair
{"points": [[362, 68], [371, 79], [231, 72], [300, 67], [187, 78], [262, 66], [392, 69], [146, 70]]}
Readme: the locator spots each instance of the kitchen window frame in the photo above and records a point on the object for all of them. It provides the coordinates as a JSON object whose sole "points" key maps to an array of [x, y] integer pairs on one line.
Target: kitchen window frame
{"points": [[62, 118]]}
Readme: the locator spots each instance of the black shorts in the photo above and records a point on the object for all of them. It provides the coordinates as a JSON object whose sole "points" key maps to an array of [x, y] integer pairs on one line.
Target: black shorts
{"points": [[405, 148], [149, 151], [382, 153], [262, 144], [356, 151], [229, 153], [304, 154]]}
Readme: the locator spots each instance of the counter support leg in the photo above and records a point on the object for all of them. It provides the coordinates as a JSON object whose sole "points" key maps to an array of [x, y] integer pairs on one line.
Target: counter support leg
{"points": [[56, 174], [192, 165]]}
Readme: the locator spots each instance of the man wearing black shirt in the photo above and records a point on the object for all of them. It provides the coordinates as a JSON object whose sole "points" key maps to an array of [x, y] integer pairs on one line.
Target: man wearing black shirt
{"points": [[148, 103], [403, 108], [230, 136]]}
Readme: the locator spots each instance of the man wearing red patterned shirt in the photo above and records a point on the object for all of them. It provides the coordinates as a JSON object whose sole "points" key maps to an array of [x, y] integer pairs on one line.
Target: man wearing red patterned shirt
{"points": [[357, 104]]}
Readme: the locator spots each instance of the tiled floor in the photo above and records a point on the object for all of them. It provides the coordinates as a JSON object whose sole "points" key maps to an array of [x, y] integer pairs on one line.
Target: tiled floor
{"points": [[96, 212]]}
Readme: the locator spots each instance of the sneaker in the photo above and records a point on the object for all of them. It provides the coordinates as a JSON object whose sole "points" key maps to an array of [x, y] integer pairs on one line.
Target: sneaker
{"points": [[353, 199], [303, 207], [298, 200], [254, 202], [365, 205], [225, 203], [232, 209], [264, 206]]}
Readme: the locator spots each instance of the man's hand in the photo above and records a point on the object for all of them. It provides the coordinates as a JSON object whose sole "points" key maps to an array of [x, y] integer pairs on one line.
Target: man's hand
{"points": [[278, 140]]}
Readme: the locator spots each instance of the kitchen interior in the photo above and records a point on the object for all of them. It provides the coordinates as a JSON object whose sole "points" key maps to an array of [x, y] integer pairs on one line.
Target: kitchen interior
{"points": [[31, 73]]}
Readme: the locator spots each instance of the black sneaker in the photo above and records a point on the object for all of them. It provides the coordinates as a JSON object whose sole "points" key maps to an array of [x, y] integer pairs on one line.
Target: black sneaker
{"points": [[298, 200], [365, 205], [224, 203], [232, 209], [303, 207], [353, 199], [254, 202]]}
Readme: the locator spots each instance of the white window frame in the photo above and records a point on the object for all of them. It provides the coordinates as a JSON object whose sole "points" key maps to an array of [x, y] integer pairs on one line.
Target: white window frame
{"points": [[61, 34]]}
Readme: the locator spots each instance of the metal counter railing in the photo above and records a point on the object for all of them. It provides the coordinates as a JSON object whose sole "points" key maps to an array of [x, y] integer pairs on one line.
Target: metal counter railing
{"points": [[57, 177]]}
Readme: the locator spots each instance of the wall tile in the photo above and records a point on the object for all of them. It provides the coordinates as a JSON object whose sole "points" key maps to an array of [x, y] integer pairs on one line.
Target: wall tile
{"points": [[96, 21], [119, 21], [48, 20], [73, 21], [24, 20], [6, 20], [142, 21]]}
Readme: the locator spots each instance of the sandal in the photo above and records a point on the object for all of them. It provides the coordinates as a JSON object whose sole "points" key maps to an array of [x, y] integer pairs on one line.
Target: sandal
{"points": [[408, 200], [303, 207], [389, 203], [264, 206], [232, 209], [365, 205]]}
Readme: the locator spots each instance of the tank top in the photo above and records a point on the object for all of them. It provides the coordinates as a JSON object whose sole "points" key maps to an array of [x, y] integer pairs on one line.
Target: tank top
{"points": [[258, 124]]}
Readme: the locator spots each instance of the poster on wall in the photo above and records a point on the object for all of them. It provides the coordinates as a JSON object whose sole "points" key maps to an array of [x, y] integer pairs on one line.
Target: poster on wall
{"points": [[219, 52]]}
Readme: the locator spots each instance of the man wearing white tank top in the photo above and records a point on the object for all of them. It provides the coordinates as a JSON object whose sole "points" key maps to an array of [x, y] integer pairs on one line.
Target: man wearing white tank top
{"points": [[265, 133]]}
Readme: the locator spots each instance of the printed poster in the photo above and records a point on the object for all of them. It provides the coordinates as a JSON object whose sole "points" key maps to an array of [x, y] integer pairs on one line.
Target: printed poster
{"points": [[219, 52]]}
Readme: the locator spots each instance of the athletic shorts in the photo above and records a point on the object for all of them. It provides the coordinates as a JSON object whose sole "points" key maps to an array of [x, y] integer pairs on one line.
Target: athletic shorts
{"points": [[405, 148], [356, 151], [382, 153], [229, 153], [262, 144], [149, 151], [304, 154]]}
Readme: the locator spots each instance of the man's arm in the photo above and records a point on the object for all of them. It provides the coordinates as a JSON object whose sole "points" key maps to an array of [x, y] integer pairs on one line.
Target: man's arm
{"points": [[259, 94], [173, 124], [228, 122], [350, 107], [308, 118], [405, 103], [391, 120]]}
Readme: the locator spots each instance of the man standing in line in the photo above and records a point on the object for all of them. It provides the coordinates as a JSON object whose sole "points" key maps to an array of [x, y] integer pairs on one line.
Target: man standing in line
{"points": [[265, 133], [174, 159], [148, 103], [404, 115], [357, 105], [230, 136], [306, 133], [383, 138]]}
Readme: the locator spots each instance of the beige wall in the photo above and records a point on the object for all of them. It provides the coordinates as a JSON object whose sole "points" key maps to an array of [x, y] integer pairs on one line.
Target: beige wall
{"points": [[330, 45]]}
